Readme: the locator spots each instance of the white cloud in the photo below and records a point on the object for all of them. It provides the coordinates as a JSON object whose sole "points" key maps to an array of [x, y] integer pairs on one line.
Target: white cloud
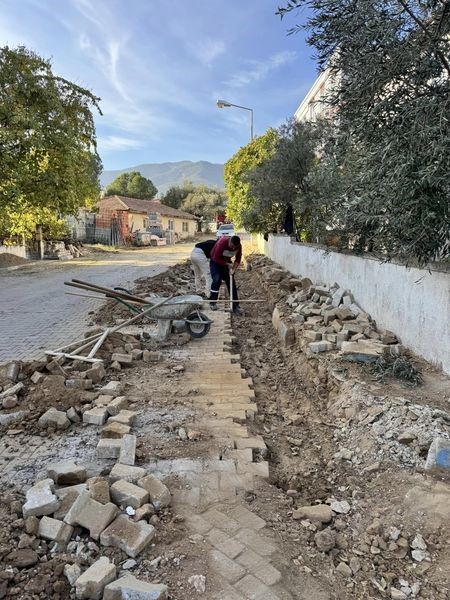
{"points": [[115, 142], [208, 49], [260, 69]]}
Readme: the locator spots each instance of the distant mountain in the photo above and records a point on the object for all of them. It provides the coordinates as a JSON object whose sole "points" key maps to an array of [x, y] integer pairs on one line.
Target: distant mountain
{"points": [[167, 174]]}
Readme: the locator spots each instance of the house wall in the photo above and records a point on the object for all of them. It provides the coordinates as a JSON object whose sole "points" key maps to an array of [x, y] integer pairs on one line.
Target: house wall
{"points": [[413, 303], [136, 221], [178, 226]]}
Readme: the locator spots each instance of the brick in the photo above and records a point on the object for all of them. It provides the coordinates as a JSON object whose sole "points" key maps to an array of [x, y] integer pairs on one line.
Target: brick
{"points": [[223, 542], [96, 373], [125, 494], [103, 400], [286, 334], [198, 524], [250, 560], [37, 377], [227, 568], [127, 454], [113, 388], [267, 574], [255, 541], [90, 514], [93, 581], [79, 384], [99, 489], [115, 431], [126, 473], [158, 492], [149, 356], [255, 443], [108, 448], [55, 530], [127, 535], [54, 418], [73, 415], [260, 469], [130, 587], [67, 497], [323, 346], [362, 351], [40, 499], [116, 405], [250, 587], [247, 518], [95, 416], [124, 360], [217, 519], [127, 417], [66, 473]]}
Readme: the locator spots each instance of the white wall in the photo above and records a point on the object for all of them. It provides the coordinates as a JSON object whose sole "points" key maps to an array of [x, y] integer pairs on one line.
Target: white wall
{"points": [[16, 250], [414, 303]]}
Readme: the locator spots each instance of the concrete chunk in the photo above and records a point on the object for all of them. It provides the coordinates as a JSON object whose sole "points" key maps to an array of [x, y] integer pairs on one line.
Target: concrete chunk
{"points": [[116, 405], [127, 453], [125, 360], [438, 459], [131, 474], [93, 581], [115, 430], [130, 588], [91, 514], [128, 536], [113, 388], [96, 373], [12, 391], [67, 497], [362, 351], [66, 473], [40, 499], [37, 377], [125, 493], [53, 529], [54, 418], [96, 416], [99, 489], [103, 400], [158, 492], [108, 448], [126, 417]]}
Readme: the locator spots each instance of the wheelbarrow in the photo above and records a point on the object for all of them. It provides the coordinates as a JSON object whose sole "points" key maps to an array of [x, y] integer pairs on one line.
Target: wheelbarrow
{"points": [[185, 308]]}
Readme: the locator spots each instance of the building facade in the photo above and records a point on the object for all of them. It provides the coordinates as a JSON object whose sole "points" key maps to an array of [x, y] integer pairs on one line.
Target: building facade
{"points": [[314, 106]]}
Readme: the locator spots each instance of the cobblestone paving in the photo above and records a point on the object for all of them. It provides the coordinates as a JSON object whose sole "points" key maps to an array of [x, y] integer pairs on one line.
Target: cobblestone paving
{"points": [[36, 314]]}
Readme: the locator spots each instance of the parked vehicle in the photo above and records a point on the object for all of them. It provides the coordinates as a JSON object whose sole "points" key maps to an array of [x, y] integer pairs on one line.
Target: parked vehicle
{"points": [[226, 230]]}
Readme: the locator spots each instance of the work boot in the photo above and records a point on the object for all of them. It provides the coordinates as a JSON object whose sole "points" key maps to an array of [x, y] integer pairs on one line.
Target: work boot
{"points": [[237, 310], [213, 306]]}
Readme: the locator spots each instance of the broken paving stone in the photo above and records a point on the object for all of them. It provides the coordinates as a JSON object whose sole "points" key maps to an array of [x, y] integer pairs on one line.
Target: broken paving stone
{"points": [[12, 391], [320, 512], [55, 530], [95, 416], [406, 437], [108, 448], [149, 356], [99, 489], [124, 360], [96, 373], [113, 388], [159, 493], [67, 497], [37, 377], [72, 415], [66, 473], [126, 417], [93, 581], [72, 572], [362, 351], [127, 535], [322, 346], [128, 587], [90, 514], [54, 418], [103, 400], [115, 430], [40, 499], [144, 511], [116, 405], [125, 493], [127, 455], [126, 473], [79, 384], [12, 418]]}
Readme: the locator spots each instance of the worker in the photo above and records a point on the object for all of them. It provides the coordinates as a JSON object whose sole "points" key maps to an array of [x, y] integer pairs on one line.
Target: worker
{"points": [[200, 256], [223, 269]]}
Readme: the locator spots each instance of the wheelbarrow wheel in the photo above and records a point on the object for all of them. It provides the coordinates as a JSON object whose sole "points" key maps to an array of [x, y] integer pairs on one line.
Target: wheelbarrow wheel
{"points": [[197, 324]]}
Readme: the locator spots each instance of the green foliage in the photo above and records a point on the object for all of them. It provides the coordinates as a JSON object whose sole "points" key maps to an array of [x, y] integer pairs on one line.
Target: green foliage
{"points": [[176, 194], [390, 62], [399, 367], [48, 159], [236, 172], [132, 185], [205, 203]]}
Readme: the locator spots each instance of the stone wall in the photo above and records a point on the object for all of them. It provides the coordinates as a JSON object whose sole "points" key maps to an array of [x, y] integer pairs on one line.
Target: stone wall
{"points": [[16, 250], [412, 302]]}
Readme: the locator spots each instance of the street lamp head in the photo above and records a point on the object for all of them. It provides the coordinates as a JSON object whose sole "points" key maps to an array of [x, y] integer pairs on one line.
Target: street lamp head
{"points": [[223, 104]]}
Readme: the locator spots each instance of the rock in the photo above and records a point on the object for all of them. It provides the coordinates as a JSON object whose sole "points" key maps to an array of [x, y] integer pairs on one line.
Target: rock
{"points": [[32, 525], [14, 390], [96, 373], [124, 493], [103, 400], [355, 564], [343, 569], [159, 493], [72, 572], [420, 555], [115, 430], [66, 473], [54, 418], [130, 588], [319, 512], [325, 540], [418, 543], [129, 564], [116, 405], [127, 454], [132, 474], [90, 514], [57, 531], [12, 418], [276, 318], [95, 416], [10, 402], [198, 582], [146, 510], [37, 377], [92, 582], [40, 499], [438, 459], [127, 535], [99, 490], [73, 416], [22, 558], [113, 388], [397, 594], [342, 507], [406, 437]]}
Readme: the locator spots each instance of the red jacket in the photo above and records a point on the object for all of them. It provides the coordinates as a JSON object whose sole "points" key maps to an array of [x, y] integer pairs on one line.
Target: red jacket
{"points": [[220, 247]]}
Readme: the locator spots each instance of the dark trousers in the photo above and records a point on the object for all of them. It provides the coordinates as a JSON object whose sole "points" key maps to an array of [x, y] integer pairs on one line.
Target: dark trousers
{"points": [[220, 273]]}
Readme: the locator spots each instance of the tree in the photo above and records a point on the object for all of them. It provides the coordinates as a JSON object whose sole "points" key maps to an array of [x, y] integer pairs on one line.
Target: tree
{"points": [[48, 158], [205, 203], [176, 194], [236, 171], [391, 65], [133, 185]]}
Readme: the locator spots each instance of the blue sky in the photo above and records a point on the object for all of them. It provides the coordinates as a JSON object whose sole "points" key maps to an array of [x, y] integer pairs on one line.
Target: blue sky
{"points": [[160, 65]]}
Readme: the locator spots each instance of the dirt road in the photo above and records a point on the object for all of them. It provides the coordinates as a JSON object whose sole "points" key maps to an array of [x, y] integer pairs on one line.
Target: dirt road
{"points": [[36, 314]]}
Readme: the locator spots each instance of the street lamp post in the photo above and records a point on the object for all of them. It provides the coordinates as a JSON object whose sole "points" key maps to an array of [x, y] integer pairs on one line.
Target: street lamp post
{"points": [[226, 104]]}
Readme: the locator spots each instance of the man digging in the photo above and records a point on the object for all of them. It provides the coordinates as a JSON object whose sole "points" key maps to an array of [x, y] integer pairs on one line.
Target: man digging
{"points": [[223, 269]]}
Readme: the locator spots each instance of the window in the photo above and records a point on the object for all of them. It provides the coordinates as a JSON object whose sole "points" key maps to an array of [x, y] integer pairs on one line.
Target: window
{"points": [[171, 227], [145, 223], [185, 226]]}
